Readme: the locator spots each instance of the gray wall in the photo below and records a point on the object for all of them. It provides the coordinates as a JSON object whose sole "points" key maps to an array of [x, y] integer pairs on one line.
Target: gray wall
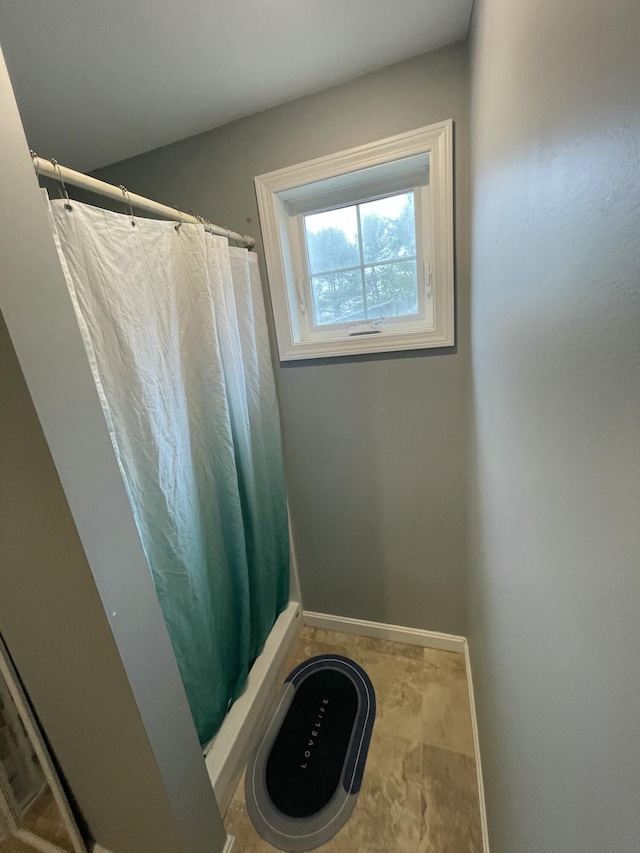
{"points": [[374, 446], [57, 632], [78, 610], [555, 585]]}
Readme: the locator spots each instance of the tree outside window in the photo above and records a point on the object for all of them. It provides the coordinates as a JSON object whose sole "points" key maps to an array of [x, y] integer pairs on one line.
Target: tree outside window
{"points": [[362, 260]]}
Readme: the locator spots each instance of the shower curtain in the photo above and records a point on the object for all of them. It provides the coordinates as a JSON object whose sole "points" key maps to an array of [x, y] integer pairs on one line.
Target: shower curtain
{"points": [[174, 328]]}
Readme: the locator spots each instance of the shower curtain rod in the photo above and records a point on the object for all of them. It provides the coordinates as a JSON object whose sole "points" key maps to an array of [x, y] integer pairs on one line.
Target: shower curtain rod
{"points": [[52, 169]]}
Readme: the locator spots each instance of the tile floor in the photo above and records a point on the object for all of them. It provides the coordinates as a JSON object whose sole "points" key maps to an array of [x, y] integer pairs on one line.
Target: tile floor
{"points": [[43, 818], [419, 793]]}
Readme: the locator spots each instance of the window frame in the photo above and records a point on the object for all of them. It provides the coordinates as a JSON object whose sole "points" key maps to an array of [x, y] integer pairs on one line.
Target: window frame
{"points": [[286, 256]]}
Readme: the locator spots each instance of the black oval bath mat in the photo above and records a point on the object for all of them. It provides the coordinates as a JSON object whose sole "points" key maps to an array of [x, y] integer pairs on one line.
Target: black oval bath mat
{"points": [[304, 775]]}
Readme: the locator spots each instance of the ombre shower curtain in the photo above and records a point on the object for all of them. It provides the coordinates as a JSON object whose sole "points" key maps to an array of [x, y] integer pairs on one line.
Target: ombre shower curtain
{"points": [[174, 327]]}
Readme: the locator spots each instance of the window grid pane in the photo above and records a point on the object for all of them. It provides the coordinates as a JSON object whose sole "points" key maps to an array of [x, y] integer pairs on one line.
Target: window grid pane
{"points": [[361, 250], [395, 260], [337, 297], [391, 290], [384, 282], [388, 232]]}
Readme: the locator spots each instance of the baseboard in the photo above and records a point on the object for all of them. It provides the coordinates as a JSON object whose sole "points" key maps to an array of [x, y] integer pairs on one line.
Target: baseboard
{"points": [[426, 639], [227, 754], [476, 748], [382, 631]]}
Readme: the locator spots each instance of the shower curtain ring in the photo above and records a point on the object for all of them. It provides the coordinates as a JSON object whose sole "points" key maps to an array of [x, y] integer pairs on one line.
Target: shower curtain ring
{"points": [[181, 215], [125, 193], [36, 162], [56, 165]]}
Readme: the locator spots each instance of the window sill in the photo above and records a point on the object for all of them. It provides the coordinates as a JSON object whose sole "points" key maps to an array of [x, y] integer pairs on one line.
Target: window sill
{"points": [[363, 344]]}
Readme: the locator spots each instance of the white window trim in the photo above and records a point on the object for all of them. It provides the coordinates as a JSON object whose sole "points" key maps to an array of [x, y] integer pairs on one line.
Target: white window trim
{"points": [[282, 249]]}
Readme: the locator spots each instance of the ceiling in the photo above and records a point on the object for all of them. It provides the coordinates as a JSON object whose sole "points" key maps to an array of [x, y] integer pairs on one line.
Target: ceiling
{"points": [[101, 80]]}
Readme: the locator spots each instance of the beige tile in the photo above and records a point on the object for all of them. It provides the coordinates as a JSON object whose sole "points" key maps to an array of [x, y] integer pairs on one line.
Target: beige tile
{"points": [[43, 818], [446, 713], [14, 845], [416, 797], [450, 805], [396, 671], [353, 642], [238, 824], [388, 647], [310, 645], [399, 684], [387, 815]]}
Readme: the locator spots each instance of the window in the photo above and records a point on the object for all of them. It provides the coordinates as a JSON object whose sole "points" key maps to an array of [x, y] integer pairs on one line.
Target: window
{"points": [[361, 261], [359, 247]]}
